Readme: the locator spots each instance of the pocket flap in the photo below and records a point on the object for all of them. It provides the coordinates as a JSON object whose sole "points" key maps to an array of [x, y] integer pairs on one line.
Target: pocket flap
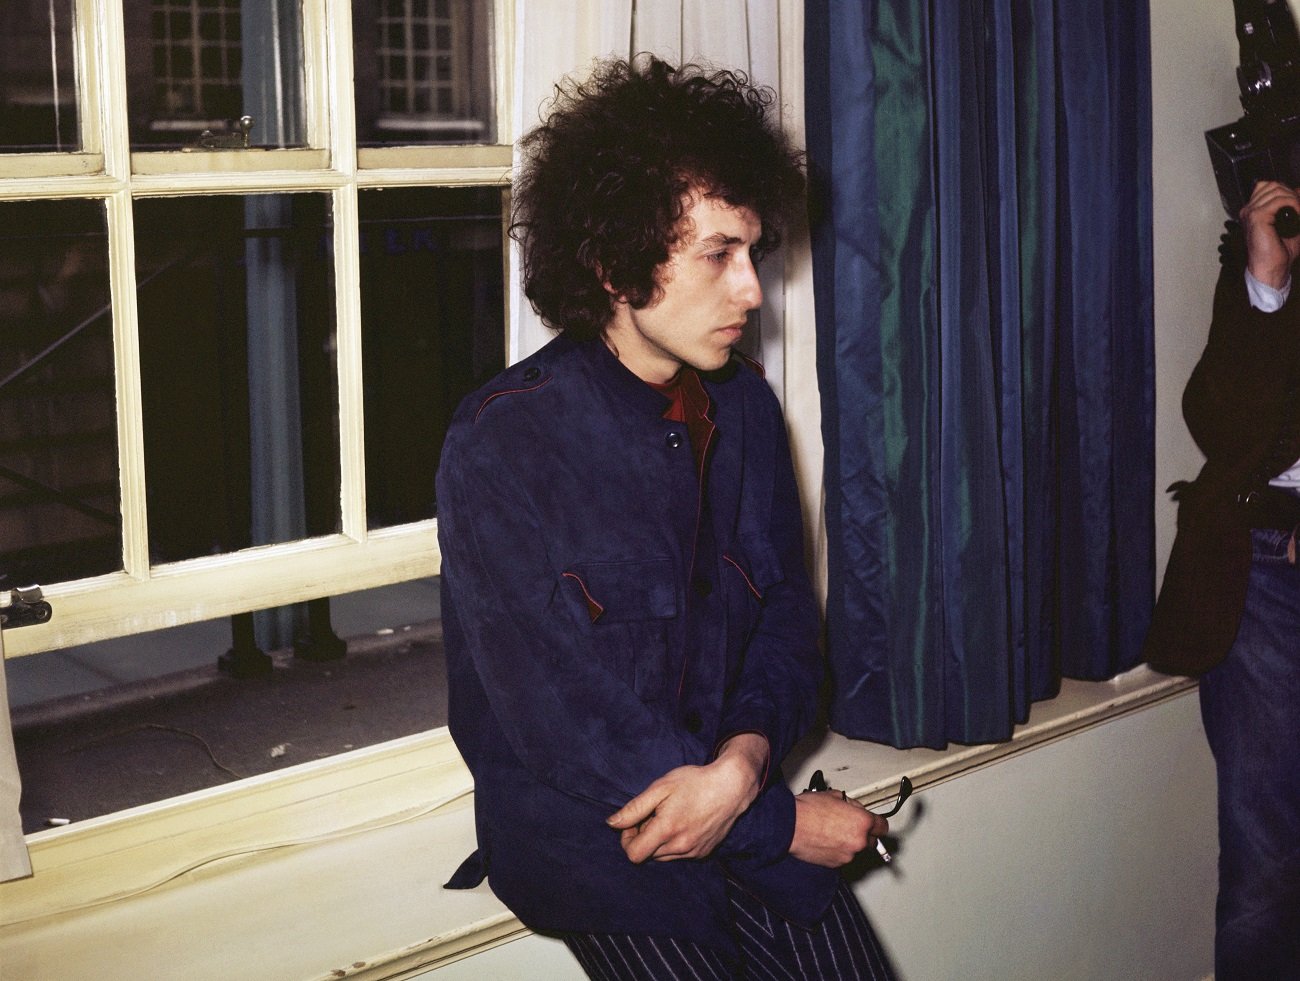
{"points": [[757, 561], [614, 592]]}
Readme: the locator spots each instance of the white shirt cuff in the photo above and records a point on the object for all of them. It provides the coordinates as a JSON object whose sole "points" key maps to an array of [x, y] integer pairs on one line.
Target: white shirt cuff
{"points": [[1265, 298]]}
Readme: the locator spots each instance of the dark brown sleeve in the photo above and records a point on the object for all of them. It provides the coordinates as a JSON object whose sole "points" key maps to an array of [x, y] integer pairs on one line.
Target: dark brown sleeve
{"points": [[1235, 398]]}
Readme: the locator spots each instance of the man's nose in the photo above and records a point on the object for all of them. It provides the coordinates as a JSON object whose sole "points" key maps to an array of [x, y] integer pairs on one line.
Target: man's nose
{"points": [[749, 289]]}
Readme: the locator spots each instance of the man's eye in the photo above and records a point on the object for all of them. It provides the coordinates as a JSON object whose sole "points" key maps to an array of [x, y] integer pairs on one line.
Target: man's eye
{"points": [[718, 258]]}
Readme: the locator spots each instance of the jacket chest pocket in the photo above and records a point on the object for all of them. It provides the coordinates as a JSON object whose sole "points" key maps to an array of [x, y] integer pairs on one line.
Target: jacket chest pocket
{"points": [[626, 612]]}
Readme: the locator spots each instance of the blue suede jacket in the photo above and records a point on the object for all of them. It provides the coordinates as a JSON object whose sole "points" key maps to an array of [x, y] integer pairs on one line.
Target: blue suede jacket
{"points": [[605, 622]]}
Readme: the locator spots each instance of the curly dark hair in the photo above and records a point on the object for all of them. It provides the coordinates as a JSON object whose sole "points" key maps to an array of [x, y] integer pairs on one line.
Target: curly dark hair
{"points": [[605, 179]]}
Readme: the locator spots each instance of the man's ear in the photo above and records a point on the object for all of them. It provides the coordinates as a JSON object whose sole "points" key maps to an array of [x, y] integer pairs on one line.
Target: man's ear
{"points": [[615, 295]]}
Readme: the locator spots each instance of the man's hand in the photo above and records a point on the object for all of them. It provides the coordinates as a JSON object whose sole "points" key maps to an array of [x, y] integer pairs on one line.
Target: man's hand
{"points": [[689, 810], [1268, 255], [830, 830]]}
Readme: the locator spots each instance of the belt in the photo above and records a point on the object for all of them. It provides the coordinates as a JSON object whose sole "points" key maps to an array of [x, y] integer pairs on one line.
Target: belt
{"points": [[1270, 507]]}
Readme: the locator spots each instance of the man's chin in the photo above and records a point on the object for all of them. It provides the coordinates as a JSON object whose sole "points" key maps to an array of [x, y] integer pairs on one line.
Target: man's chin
{"points": [[713, 361]]}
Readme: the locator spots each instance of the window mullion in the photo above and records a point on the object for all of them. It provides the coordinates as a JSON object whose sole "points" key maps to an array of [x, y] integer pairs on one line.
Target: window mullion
{"points": [[106, 80], [503, 66], [130, 413], [335, 115], [347, 292], [89, 58], [330, 109]]}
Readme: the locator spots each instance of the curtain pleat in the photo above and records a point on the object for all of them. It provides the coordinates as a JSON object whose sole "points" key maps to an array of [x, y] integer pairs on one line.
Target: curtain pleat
{"points": [[983, 283]]}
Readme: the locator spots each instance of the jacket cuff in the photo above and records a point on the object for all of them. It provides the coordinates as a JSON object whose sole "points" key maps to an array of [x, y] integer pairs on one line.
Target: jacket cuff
{"points": [[762, 835]]}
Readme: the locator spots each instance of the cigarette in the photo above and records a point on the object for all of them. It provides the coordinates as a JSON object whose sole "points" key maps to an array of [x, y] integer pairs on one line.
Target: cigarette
{"points": [[883, 852]]}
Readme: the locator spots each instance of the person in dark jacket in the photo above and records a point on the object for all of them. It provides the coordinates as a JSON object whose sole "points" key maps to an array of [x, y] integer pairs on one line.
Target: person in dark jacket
{"points": [[1229, 607], [631, 634]]}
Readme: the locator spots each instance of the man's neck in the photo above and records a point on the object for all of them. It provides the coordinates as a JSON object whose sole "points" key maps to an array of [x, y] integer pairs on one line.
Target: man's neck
{"points": [[631, 353]]}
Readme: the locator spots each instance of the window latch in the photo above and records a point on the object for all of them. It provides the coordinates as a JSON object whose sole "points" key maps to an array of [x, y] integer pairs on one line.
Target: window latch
{"points": [[231, 140], [23, 607]]}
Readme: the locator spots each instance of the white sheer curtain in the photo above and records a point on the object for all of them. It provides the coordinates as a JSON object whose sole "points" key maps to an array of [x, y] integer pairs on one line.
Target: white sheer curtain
{"points": [[559, 37], [14, 863]]}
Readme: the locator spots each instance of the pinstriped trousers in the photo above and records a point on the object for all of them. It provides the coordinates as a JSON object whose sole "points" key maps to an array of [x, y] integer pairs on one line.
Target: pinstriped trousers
{"points": [[840, 947]]}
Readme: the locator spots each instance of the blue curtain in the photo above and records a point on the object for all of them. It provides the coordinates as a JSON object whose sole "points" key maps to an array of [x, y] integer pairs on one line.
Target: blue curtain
{"points": [[982, 260]]}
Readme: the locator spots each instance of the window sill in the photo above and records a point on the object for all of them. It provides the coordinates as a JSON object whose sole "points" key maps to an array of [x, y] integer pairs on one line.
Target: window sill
{"points": [[369, 837], [871, 771]]}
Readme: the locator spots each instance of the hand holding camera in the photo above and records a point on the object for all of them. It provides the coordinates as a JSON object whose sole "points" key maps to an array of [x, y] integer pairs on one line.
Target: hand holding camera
{"points": [[1270, 250]]}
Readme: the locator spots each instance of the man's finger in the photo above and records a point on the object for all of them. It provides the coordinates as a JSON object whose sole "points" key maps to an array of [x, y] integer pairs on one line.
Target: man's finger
{"points": [[643, 842], [638, 809]]}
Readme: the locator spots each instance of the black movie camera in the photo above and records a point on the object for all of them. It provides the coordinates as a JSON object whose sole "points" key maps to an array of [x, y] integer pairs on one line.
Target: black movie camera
{"points": [[1264, 144]]}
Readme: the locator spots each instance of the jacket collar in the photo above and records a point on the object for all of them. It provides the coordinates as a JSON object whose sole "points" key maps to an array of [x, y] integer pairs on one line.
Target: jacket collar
{"points": [[613, 375], [617, 379]]}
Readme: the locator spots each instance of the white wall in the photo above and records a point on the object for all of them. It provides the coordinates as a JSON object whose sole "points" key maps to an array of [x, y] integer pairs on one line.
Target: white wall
{"points": [[1193, 64], [1090, 859]]}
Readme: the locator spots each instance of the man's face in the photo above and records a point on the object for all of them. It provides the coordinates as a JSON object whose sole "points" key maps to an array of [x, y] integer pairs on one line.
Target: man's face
{"points": [[706, 289]]}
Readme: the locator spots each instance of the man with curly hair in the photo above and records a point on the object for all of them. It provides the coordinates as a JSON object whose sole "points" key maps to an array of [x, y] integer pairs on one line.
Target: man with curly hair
{"points": [[630, 631]]}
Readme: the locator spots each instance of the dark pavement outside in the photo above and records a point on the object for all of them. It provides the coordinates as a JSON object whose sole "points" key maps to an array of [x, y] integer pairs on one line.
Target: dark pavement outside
{"points": [[92, 754]]}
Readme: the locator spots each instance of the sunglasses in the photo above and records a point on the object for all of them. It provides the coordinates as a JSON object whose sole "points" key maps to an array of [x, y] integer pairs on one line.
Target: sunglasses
{"points": [[818, 784]]}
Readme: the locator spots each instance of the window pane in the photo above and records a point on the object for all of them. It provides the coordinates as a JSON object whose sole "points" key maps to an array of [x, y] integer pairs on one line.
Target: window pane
{"points": [[124, 722], [422, 72], [59, 504], [433, 328], [38, 79], [239, 383], [199, 65]]}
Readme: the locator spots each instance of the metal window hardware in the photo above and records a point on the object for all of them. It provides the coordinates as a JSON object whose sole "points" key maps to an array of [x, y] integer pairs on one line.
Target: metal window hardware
{"points": [[232, 140], [23, 607]]}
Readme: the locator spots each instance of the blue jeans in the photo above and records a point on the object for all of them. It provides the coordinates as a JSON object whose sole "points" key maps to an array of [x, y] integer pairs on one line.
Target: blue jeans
{"points": [[1250, 705]]}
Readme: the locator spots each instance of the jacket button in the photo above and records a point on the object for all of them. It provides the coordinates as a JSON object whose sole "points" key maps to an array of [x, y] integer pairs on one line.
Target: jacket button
{"points": [[702, 586], [693, 722], [532, 374], [673, 439]]}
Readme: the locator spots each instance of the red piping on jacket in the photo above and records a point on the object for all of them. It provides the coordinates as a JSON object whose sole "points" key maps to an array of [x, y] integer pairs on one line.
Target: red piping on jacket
{"points": [[510, 391]]}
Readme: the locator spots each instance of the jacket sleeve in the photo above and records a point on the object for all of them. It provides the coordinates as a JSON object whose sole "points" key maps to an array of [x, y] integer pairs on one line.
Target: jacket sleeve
{"points": [[781, 673], [776, 692], [1238, 390], [575, 726]]}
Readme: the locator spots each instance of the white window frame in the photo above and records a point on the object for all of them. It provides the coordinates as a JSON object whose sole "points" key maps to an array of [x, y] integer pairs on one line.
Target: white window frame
{"points": [[142, 597]]}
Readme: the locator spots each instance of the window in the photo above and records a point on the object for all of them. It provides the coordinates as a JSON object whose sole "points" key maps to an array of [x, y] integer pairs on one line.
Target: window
{"points": [[197, 61], [38, 93], [422, 72], [235, 305], [430, 261], [196, 68], [232, 351], [59, 492]]}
